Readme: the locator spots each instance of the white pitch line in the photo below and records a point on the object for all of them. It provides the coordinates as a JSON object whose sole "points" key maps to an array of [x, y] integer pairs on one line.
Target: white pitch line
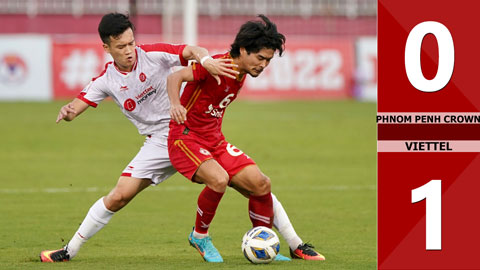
{"points": [[174, 188]]}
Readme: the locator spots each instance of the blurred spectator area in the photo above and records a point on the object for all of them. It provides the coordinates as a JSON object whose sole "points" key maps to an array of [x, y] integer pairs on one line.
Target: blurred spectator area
{"points": [[215, 17], [331, 44]]}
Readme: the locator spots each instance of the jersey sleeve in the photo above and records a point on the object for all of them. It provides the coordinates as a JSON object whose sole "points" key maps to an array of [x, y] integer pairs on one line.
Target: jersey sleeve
{"points": [[169, 54], [95, 92], [199, 72], [92, 94]]}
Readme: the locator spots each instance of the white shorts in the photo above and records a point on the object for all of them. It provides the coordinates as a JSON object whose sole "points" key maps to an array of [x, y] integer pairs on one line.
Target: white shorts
{"points": [[152, 161]]}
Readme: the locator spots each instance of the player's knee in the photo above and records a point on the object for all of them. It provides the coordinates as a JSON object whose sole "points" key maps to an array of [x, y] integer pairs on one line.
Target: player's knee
{"points": [[219, 182], [116, 200], [263, 185]]}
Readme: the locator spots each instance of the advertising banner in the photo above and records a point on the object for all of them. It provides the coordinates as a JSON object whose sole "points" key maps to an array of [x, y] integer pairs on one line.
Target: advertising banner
{"points": [[318, 69], [309, 69], [74, 66], [25, 67]]}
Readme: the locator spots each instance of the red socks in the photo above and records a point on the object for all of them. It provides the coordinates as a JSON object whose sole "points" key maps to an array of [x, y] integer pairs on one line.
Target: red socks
{"points": [[208, 201], [260, 209]]}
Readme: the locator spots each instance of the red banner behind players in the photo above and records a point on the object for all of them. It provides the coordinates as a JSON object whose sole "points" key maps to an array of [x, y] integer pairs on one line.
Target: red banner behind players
{"points": [[74, 65], [317, 69], [308, 69]]}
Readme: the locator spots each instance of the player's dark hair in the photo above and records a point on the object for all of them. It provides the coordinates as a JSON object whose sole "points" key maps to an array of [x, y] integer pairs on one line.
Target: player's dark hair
{"points": [[113, 24], [257, 35]]}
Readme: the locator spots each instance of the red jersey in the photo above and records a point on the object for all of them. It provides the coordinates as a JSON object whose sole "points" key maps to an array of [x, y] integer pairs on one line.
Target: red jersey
{"points": [[206, 102]]}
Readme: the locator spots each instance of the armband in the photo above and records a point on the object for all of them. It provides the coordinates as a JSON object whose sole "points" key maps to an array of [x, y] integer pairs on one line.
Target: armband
{"points": [[205, 59]]}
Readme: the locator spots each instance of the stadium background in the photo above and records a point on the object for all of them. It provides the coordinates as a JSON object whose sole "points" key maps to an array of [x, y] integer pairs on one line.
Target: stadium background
{"points": [[331, 45], [308, 121]]}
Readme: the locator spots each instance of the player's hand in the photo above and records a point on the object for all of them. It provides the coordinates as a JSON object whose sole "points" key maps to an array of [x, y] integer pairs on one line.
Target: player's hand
{"points": [[64, 111], [220, 67], [178, 113]]}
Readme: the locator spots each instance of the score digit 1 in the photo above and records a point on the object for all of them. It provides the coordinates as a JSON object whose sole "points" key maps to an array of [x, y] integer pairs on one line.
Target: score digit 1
{"points": [[432, 192]]}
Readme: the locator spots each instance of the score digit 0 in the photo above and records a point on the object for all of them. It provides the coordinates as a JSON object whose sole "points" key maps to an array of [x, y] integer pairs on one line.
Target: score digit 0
{"points": [[446, 56]]}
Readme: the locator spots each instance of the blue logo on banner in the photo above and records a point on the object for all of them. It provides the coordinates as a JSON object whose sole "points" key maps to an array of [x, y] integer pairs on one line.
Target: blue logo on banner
{"points": [[12, 69]]}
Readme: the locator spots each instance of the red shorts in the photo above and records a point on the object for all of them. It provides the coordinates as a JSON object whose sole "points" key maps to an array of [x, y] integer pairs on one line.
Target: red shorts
{"points": [[186, 156]]}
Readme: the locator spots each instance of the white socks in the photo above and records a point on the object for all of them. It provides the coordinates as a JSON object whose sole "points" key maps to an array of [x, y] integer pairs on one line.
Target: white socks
{"points": [[199, 235], [97, 217], [283, 225]]}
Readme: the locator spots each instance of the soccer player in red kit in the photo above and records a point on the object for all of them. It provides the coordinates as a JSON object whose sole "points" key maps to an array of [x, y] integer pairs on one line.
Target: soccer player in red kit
{"points": [[196, 145]]}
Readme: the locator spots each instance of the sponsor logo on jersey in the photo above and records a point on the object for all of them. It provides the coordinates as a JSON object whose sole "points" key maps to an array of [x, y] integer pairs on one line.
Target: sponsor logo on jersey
{"points": [[129, 105], [12, 69], [142, 77], [145, 94], [204, 152], [218, 112], [214, 111]]}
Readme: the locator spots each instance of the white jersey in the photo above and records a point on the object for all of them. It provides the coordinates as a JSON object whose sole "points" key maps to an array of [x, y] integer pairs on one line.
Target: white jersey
{"points": [[141, 93]]}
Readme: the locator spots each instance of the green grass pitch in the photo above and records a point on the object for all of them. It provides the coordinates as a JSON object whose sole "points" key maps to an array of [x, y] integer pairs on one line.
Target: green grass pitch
{"points": [[320, 155]]}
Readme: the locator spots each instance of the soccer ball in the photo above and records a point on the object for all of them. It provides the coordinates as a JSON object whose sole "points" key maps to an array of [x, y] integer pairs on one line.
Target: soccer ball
{"points": [[260, 245]]}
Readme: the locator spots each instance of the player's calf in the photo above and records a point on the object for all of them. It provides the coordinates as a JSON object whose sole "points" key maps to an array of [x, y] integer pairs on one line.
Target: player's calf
{"points": [[260, 210]]}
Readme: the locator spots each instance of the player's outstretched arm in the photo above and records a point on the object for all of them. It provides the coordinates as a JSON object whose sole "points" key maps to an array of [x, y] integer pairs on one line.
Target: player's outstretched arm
{"points": [[216, 67], [174, 83], [71, 110]]}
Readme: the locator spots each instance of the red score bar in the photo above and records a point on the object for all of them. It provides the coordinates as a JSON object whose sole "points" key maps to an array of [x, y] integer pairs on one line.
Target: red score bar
{"points": [[428, 134]]}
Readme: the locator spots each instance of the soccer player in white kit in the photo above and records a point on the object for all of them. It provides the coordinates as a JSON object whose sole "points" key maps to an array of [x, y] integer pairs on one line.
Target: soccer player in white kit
{"points": [[136, 81]]}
